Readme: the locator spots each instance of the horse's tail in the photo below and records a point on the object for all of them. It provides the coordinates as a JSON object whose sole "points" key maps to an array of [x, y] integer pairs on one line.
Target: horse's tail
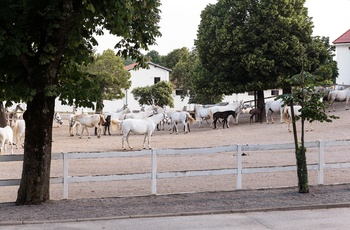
{"points": [[211, 114], [286, 115], [191, 119], [15, 132], [329, 96], [115, 124]]}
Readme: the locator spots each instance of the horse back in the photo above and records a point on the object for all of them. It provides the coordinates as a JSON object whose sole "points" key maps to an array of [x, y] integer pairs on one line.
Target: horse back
{"points": [[137, 126]]}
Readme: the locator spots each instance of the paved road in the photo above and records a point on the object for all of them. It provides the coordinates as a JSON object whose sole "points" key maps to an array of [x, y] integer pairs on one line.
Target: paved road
{"points": [[337, 218]]}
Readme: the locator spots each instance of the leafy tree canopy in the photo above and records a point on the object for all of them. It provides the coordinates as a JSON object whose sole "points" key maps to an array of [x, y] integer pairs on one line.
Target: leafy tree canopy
{"points": [[43, 45], [254, 45], [105, 77], [159, 94]]}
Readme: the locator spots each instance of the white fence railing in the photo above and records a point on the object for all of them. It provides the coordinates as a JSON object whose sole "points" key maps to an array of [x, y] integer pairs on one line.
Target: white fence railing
{"points": [[154, 174]]}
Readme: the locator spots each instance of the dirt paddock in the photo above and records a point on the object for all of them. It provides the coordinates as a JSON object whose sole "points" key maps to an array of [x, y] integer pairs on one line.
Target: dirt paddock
{"points": [[243, 133]]}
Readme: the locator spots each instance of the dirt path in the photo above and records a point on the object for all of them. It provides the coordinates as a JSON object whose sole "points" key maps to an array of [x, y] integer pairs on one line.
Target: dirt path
{"points": [[244, 133]]}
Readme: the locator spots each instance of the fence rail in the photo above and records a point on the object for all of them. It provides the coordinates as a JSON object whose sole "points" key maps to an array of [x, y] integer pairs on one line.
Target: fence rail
{"points": [[154, 174]]}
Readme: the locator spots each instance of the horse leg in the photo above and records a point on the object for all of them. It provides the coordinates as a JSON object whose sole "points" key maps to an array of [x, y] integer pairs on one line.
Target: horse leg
{"points": [[236, 118], [185, 127], [267, 116], [271, 117], [346, 103], [281, 115], [214, 122], [251, 118], [127, 140], [289, 127], [95, 131], [309, 126], [123, 142], [144, 141], [99, 131], [82, 131], [148, 136]]}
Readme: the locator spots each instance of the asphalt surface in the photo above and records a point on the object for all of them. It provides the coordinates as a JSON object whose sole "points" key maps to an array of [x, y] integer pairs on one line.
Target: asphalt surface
{"points": [[320, 219], [84, 213]]}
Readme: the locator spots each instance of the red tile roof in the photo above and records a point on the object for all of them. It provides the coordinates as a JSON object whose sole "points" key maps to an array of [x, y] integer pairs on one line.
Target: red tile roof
{"points": [[345, 38], [130, 67]]}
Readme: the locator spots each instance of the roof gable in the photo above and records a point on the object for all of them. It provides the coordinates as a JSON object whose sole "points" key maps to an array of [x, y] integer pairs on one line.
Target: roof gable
{"points": [[344, 38], [132, 66]]}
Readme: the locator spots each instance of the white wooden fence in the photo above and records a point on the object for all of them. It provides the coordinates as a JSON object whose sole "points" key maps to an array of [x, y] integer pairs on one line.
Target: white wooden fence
{"points": [[154, 174]]}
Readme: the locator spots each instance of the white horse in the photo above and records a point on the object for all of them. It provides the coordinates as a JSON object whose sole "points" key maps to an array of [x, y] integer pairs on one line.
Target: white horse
{"points": [[19, 131], [202, 114], [160, 110], [116, 117], [139, 115], [6, 137], [144, 126], [274, 106], [287, 113], [339, 95], [58, 119], [74, 126], [89, 121], [181, 117], [13, 115]]}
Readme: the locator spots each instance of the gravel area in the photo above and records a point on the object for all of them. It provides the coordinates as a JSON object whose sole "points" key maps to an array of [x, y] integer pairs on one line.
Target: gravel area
{"points": [[192, 195]]}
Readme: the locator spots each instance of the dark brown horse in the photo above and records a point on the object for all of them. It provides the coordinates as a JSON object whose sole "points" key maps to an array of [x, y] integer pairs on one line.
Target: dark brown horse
{"points": [[256, 111], [224, 115]]}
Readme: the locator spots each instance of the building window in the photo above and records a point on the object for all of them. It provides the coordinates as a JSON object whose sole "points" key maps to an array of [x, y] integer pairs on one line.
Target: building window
{"points": [[275, 92], [156, 80], [178, 92]]}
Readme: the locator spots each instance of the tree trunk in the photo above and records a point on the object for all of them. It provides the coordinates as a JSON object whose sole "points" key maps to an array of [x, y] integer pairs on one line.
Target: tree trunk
{"points": [[260, 104], [303, 182], [35, 183], [3, 121], [99, 107]]}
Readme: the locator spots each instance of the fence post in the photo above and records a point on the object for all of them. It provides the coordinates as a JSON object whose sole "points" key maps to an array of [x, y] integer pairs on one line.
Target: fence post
{"points": [[65, 176], [154, 171], [320, 162], [239, 167]]}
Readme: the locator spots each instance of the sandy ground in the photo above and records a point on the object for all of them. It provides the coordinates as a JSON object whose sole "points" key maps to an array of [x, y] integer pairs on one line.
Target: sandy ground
{"points": [[243, 133]]}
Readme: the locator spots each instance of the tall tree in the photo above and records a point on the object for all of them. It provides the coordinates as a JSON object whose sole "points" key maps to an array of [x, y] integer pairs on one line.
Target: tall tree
{"points": [[109, 74], [253, 45], [172, 58], [158, 94], [37, 40], [154, 57]]}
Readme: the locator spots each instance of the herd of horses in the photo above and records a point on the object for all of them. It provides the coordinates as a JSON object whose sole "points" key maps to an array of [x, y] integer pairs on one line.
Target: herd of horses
{"points": [[154, 117]]}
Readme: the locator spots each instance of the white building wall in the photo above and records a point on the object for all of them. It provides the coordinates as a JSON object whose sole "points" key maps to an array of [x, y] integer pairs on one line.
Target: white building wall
{"points": [[112, 106], [343, 60]]}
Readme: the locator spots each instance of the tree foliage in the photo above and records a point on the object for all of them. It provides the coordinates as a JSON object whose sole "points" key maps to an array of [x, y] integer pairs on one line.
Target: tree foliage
{"points": [[154, 57], [42, 45], [106, 77], [252, 45], [159, 94]]}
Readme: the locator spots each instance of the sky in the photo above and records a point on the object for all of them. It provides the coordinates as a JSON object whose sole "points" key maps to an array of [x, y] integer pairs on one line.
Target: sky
{"points": [[180, 19]]}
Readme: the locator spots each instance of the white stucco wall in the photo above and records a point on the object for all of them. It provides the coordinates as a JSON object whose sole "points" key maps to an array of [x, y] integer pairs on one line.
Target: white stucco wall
{"points": [[343, 60], [112, 106]]}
